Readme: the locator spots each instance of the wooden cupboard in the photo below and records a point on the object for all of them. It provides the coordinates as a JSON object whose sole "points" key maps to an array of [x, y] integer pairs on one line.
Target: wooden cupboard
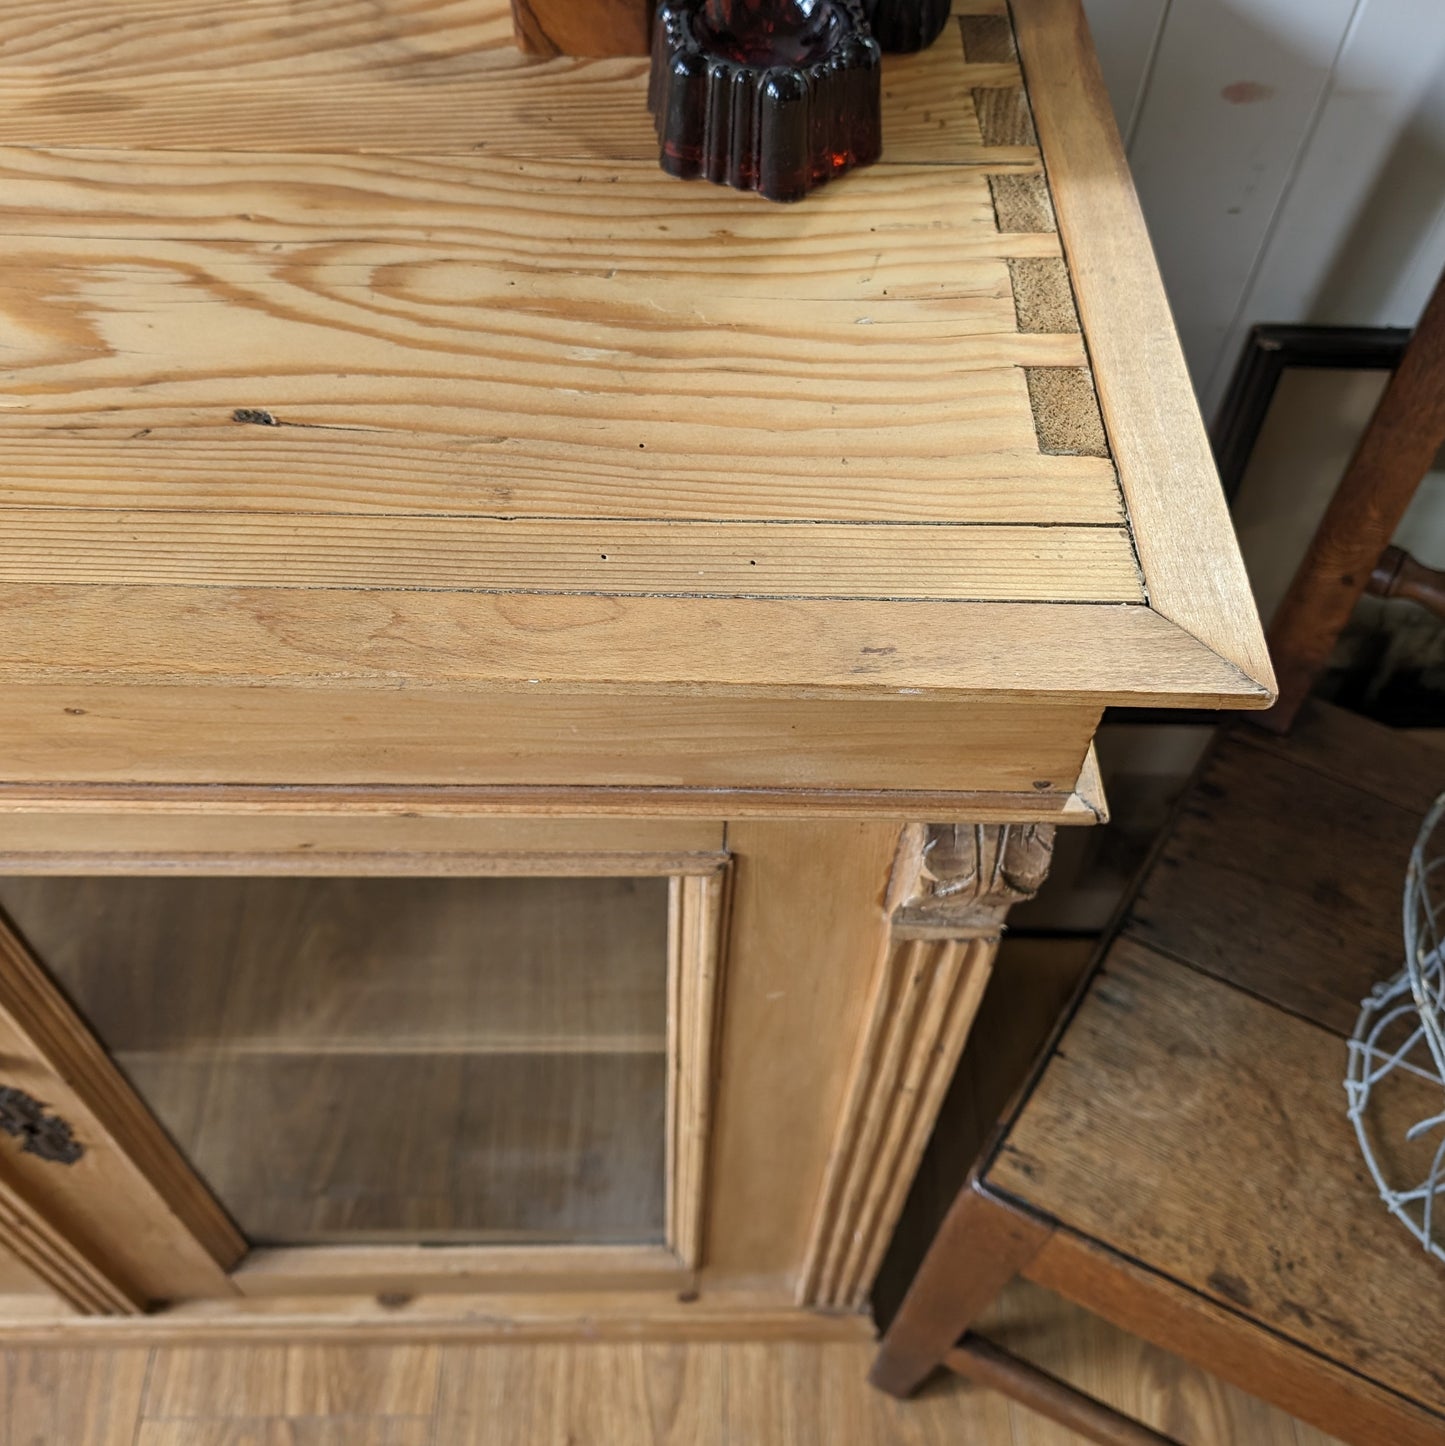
{"points": [[528, 688]]}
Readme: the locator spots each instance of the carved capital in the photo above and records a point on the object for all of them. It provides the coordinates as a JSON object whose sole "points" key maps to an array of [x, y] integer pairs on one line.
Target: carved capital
{"points": [[968, 876]]}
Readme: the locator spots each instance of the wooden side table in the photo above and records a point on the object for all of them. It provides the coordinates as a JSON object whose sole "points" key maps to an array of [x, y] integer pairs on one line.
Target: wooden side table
{"points": [[530, 687], [1181, 1161]]}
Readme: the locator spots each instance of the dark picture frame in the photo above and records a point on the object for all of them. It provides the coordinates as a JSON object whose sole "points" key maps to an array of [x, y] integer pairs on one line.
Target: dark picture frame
{"points": [[1270, 351]]}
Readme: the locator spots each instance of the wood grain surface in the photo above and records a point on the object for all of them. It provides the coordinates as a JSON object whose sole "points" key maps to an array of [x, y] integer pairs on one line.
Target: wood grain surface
{"points": [[1219, 1155], [1396, 766], [432, 1147], [392, 1270], [1329, 1398], [429, 736], [563, 27], [316, 639], [807, 933], [1283, 881], [1180, 1140], [1181, 525], [409, 76], [596, 558], [152, 806], [657, 1394], [126, 1219], [1145, 1382], [697, 968], [917, 1023], [526, 1028], [349, 842], [271, 967], [56, 1265], [354, 298]]}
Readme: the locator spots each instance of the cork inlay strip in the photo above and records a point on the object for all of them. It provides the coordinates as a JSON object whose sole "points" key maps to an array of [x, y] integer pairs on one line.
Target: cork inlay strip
{"points": [[1066, 411], [1022, 203], [1043, 298]]}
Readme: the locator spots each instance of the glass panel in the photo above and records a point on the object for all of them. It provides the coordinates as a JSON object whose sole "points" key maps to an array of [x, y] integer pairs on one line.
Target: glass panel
{"points": [[438, 1060]]}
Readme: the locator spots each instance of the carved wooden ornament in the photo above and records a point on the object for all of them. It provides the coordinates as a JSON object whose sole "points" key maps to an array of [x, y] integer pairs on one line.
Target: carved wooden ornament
{"points": [[969, 876]]}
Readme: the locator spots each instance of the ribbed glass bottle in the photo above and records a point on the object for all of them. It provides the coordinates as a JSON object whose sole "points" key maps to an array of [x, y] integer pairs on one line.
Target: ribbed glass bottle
{"points": [[773, 96]]}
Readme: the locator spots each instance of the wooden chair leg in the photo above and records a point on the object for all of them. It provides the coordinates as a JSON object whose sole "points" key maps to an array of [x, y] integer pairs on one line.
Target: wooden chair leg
{"points": [[1393, 456], [980, 1247]]}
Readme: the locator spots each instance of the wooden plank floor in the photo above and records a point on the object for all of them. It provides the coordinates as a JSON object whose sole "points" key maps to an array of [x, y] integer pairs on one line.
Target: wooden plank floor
{"points": [[703, 1394]]}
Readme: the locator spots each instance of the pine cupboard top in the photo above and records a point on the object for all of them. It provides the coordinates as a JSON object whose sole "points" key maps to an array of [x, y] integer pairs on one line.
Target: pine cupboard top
{"points": [[346, 348]]}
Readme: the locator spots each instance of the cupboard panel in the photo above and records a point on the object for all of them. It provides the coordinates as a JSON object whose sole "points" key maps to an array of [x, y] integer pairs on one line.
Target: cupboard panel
{"points": [[425, 1060], [433, 1148]]}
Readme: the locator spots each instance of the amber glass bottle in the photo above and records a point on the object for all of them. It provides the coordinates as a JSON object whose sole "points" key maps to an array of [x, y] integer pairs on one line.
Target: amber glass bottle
{"points": [[773, 96]]}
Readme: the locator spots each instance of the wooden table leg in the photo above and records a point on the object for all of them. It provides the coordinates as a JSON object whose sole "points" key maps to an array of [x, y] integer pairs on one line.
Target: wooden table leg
{"points": [[980, 1247]]}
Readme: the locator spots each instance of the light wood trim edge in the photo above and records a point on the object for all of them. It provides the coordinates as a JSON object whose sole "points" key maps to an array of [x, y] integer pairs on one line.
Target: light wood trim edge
{"points": [[361, 864], [77, 1279], [1074, 807], [1120, 653], [697, 949], [1084, 803], [37, 1010], [917, 1021], [950, 890], [1183, 536], [1089, 789], [716, 1314], [403, 1271], [397, 833]]}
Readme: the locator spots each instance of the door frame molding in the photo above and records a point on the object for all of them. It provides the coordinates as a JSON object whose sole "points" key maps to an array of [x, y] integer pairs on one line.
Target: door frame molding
{"points": [[128, 1221], [134, 1184]]}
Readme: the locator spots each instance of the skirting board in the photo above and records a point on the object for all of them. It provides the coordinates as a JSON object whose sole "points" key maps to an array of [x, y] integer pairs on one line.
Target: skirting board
{"points": [[538, 1316]]}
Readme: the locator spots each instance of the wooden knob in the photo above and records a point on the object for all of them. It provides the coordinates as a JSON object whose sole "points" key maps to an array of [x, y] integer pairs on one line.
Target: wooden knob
{"points": [[1399, 575]]}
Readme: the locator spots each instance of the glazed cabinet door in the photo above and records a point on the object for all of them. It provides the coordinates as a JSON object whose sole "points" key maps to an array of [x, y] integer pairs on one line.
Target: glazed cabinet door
{"points": [[358, 1066]]}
